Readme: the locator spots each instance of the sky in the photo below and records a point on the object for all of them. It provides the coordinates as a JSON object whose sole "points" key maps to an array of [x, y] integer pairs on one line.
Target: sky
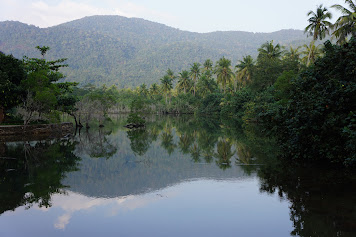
{"points": [[191, 15]]}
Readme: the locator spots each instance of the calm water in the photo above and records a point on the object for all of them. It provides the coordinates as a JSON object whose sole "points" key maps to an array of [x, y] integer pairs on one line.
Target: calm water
{"points": [[179, 177]]}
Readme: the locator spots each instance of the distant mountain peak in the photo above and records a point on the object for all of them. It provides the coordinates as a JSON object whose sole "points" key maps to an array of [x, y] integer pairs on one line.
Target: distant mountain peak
{"points": [[131, 51]]}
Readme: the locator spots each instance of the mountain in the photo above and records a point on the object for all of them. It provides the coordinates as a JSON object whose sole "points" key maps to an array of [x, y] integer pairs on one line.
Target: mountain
{"points": [[131, 51]]}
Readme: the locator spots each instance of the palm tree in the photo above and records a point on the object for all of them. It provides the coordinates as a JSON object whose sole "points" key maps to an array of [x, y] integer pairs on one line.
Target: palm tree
{"points": [[223, 71], [208, 74], [208, 65], [143, 90], [244, 70], [166, 85], [206, 85], [171, 75], [293, 52], [270, 51], [311, 52], [318, 23], [184, 81], [195, 73], [154, 89], [346, 24]]}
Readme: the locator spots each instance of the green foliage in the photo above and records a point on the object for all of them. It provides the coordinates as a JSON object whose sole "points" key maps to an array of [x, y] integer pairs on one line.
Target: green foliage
{"points": [[283, 86], [267, 71], [211, 104], [318, 123], [234, 105], [12, 73]]}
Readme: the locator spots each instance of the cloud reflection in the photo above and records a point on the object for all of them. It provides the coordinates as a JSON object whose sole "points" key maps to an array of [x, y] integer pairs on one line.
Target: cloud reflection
{"points": [[74, 202]]}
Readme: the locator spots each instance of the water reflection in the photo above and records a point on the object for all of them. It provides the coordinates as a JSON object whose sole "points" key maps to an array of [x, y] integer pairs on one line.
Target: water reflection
{"points": [[31, 172], [121, 168]]}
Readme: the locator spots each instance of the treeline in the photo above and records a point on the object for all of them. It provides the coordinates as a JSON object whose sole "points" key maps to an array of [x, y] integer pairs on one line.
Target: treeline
{"points": [[127, 52]]}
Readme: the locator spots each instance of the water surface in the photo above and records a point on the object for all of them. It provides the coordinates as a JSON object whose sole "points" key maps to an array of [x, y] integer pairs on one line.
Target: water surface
{"points": [[178, 177]]}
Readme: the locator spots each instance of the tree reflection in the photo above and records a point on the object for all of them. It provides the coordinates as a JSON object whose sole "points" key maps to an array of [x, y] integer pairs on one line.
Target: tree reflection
{"points": [[244, 154], [323, 200], [167, 140], [195, 152], [185, 141], [140, 140], [95, 143], [33, 171], [224, 154]]}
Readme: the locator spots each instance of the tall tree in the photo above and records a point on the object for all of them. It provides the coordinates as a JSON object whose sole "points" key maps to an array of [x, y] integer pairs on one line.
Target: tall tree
{"points": [[171, 75], [154, 89], [41, 84], [244, 70], [293, 53], [346, 24], [270, 51], [143, 90], [166, 85], [311, 52], [318, 23], [184, 81], [195, 73], [208, 65], [206, 85], [12, 73], [223, 71]]}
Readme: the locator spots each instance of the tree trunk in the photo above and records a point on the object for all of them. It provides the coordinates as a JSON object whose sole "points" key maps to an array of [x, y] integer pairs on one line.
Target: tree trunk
{"points": [[75, 119], [2, 115]]}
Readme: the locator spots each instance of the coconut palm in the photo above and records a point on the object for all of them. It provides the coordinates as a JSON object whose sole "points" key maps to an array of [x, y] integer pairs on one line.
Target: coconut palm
{"points": [[206, 85], [208, 65], [184, 82], [244, 70], [345, 25], [311, 52], [293, 52], [171, 75], [318, 23], [143, 89], [195, 73], [223, 72], [154, 89], [166, 85], [270, 51], [208, 74]]}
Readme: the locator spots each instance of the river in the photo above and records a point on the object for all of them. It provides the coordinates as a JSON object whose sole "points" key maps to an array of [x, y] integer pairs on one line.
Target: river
{"points": [[180, 176]]}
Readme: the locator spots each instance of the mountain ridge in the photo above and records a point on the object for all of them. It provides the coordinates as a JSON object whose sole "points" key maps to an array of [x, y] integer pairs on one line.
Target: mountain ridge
{"points": [[130, 51]]}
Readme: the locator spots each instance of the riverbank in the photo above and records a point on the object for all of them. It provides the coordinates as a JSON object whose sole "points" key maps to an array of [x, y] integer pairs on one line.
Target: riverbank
{"points": [[11, 132]]}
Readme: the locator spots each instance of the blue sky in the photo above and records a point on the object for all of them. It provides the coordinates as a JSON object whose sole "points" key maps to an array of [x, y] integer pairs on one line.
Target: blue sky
{"points": [[191, 15]]}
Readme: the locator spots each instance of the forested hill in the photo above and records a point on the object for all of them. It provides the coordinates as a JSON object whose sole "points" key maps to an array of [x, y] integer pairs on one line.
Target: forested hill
{"points": [[131, 51]]}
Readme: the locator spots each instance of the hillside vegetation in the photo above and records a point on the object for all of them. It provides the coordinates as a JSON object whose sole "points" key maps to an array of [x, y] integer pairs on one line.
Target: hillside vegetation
{"points": [[127, 52]]}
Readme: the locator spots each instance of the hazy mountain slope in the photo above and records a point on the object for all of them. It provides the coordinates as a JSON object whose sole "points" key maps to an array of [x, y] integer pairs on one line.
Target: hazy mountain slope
{"points": [[131, 51]]}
